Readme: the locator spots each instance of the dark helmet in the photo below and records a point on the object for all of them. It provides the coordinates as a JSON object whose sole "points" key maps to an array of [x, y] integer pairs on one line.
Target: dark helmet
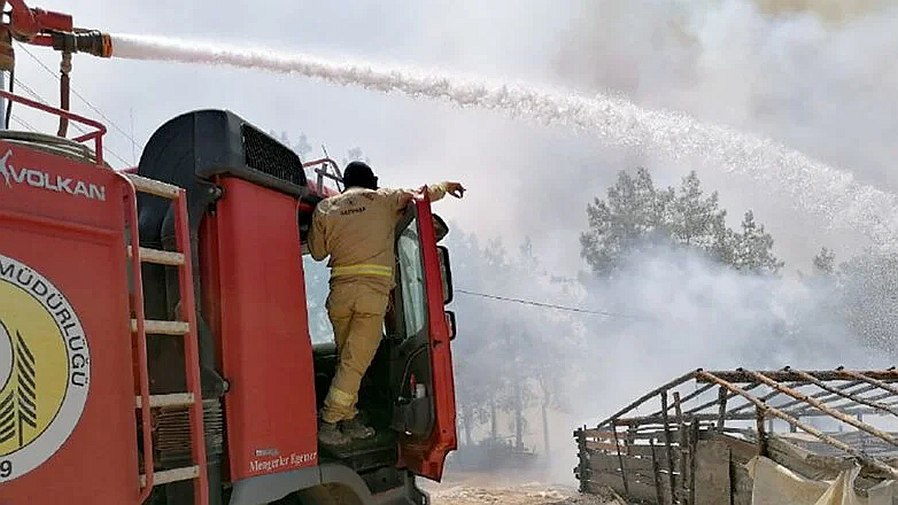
{"points": [[359, 174]]}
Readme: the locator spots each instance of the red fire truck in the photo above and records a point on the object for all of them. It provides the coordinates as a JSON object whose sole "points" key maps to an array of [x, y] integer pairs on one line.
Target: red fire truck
{"points": [[154, 326]]}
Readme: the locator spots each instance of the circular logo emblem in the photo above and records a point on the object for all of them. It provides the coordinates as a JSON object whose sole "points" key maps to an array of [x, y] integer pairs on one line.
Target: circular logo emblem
{"points": [[44, 369]]}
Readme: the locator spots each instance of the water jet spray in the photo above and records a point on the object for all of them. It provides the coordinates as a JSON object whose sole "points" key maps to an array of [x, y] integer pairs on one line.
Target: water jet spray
{"points": [[813, 186]]}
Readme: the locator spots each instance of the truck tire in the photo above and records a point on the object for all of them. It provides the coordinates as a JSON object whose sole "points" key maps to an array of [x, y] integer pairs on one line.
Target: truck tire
{"points": [[328, 494]]}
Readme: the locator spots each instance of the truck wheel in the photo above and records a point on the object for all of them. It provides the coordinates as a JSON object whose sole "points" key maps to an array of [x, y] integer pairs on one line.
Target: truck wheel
{"points": [[328, 494]]}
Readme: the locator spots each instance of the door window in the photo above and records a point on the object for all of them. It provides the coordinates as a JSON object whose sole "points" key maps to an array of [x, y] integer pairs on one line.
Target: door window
{"points": [[411, 280], [316, 276]]}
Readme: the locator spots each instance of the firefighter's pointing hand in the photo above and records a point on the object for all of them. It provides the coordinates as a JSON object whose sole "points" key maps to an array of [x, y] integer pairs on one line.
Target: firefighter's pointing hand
{"points": [[455, 189]]}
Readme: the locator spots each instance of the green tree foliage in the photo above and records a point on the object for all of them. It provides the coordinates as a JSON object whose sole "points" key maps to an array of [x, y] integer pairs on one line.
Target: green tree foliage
{"points": [[825, 262], [752, 248], [637, 216]]}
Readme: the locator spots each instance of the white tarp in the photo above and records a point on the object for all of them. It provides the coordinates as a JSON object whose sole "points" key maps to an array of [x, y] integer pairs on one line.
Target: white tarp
{"points": [[775, 484]]}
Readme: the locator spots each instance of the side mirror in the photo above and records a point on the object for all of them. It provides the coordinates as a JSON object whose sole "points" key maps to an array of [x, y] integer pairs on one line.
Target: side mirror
{"points": [[451, 323], [445, 274], [440, 228]]}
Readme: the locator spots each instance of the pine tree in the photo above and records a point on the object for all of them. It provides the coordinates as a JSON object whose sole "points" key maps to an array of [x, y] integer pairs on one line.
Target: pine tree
{"points": [[302, 146], [825, 262], [636, 216], [632, 219], [753, 248], [695, 217]]}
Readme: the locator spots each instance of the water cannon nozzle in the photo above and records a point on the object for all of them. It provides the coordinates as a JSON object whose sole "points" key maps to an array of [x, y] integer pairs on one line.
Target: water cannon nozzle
{"points": [[92, 42]]}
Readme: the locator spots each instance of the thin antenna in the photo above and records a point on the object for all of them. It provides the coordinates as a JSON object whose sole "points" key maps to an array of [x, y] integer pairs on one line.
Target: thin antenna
{"points": [[133, 144], [338, 176]]}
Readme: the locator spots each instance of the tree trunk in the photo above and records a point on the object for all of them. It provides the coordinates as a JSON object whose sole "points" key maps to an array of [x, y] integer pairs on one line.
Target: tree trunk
{"points": [[494, 434], [469, 414], [546, 428], [518, 418]]}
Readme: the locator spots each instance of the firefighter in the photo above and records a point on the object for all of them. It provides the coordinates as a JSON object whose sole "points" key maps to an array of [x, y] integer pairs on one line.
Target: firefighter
{"points": [[356, 229]]}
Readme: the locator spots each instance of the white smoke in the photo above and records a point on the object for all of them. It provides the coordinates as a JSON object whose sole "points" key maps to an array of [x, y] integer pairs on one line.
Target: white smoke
{"points": [[696, 314], [818, 78], [815, 75], [667, 312]]}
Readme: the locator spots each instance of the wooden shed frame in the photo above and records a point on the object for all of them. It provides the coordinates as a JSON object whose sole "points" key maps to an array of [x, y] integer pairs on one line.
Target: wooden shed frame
{"points": [[687, 441]]}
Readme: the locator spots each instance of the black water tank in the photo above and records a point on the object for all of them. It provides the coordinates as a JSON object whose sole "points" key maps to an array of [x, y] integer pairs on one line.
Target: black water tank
{"points": [[189, 150]]}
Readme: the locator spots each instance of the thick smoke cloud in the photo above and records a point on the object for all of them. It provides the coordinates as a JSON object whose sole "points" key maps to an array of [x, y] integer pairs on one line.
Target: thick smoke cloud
{"points": [[692, 313], [819, 80], [823, 86], [813, 75], [667, 312]]}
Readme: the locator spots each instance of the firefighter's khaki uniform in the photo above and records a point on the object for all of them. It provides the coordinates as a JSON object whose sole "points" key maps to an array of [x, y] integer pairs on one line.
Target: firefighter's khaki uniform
{"points": [[357, 228]]}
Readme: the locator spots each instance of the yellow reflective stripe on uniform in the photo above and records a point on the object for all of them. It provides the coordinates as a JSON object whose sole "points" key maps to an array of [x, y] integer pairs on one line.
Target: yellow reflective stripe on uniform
{"points": [[362, 269]]}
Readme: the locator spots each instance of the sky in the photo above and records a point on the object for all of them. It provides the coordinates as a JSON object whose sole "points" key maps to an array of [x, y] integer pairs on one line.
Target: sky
{"points": [[818, 80]]}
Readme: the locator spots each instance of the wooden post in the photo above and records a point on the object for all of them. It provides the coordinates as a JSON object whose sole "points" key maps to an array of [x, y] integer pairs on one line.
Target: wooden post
{"points": [[667, 443], [656, 473], [694, 429], [722, 395], [681, 427], [620, 461], [762, 434], [583, 469]]}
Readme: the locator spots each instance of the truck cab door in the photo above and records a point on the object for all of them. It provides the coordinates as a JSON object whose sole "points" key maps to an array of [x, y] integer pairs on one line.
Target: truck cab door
{"points": [[421, 358]]}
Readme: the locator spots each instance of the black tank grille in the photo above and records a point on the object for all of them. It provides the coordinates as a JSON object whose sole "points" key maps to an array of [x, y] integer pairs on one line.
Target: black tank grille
{"points": [[271, 157], [195, 148]]}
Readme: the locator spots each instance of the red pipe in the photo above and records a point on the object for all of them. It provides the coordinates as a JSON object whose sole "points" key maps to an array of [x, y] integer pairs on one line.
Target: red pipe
{"points": [[21, 20], [27, 23], [41, 40], [50, 20]]}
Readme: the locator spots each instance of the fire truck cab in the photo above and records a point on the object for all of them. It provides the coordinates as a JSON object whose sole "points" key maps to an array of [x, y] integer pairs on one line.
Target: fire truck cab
{"points": [[154, 328]]}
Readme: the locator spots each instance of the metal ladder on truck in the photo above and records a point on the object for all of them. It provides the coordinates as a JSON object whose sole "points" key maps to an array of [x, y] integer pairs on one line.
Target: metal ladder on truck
{"points": [[185, 327]]}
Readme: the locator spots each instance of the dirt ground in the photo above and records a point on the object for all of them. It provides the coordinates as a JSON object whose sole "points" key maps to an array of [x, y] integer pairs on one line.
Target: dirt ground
{"points": [[480, 489]]}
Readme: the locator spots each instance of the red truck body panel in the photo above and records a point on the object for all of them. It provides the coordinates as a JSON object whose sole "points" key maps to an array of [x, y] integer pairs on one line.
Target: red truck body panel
{"points": [[68, 431], [255, 295]]}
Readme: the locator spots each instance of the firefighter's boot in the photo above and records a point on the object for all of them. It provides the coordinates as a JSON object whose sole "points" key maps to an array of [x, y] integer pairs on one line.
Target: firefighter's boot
{"points": [[330, 434], [355, 430]]}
